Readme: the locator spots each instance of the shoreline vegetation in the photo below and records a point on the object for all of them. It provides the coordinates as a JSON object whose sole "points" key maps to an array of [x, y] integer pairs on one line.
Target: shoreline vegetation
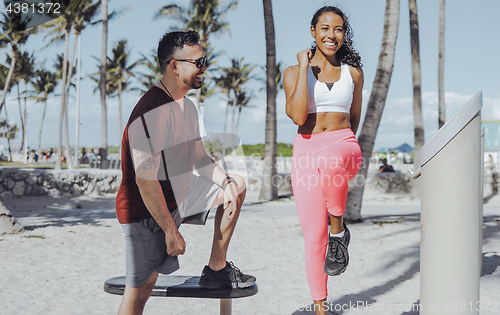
{"points": [[283, 150]]}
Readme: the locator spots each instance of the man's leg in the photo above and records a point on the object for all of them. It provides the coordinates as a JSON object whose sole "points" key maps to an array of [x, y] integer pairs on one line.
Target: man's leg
{"points": [[134, 299], [224, 227]]}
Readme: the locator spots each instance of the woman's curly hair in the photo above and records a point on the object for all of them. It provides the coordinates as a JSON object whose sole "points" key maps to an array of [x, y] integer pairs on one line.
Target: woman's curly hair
{"points": [[346, 53]]}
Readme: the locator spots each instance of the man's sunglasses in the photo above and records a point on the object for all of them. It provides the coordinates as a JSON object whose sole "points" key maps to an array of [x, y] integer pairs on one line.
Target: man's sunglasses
{"points": [[200, 62]]}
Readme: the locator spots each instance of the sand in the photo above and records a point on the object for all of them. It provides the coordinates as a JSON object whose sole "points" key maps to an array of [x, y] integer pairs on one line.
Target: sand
{"points": [[71, 246]]}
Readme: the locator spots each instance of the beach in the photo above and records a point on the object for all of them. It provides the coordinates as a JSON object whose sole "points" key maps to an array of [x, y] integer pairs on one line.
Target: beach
{"points": [[70, 246]]}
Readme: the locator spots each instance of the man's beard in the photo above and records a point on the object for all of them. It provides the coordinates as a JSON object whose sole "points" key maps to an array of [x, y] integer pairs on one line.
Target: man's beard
{"points": [[193, 83]]}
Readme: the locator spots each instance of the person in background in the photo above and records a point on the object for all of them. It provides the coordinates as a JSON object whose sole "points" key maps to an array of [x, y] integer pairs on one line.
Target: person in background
{"points": [[385, 168]]}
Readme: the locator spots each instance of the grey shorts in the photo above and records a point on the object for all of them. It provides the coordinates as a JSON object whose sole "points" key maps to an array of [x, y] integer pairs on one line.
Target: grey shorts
{"points": [[145, 248]]}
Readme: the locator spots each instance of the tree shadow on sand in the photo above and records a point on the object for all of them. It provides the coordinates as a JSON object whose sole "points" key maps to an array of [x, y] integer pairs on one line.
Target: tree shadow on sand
{"points": [[39, 212], [491, 261], [368, 297]]}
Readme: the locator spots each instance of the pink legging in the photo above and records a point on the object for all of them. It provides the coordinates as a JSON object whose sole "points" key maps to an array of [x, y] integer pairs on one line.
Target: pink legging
{"points": [[322, 165]]}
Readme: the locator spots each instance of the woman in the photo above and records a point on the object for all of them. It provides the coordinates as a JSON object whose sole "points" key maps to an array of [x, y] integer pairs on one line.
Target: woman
{"points": [[323, 97]]}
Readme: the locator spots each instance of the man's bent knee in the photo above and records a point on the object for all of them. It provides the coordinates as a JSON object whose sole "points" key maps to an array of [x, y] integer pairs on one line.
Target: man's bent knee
{"points": [[240, 181], [142, 293]]}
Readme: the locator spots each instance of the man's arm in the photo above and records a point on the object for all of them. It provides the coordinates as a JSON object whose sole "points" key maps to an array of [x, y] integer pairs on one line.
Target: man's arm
{"points": [[152, 195], [206, 166]]}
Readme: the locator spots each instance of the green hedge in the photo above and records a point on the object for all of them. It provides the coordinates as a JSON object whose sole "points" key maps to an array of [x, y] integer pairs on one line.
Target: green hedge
{"points": [[283, 149]]}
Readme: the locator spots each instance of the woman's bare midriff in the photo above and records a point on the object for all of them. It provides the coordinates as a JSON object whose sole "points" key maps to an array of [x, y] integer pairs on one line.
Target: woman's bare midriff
{"points": [[321, 122]]}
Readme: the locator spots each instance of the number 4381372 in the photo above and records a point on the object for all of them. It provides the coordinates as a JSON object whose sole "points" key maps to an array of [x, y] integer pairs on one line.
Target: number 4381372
{"points": [[34, 8]]}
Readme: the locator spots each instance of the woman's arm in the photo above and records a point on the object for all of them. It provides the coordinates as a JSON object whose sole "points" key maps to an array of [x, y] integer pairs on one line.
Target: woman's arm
{"points": [[355, 114], [295, 84]]}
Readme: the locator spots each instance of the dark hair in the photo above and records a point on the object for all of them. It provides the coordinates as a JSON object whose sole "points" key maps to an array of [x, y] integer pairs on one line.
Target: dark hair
{"points": [[172, 41], [346, 53]]}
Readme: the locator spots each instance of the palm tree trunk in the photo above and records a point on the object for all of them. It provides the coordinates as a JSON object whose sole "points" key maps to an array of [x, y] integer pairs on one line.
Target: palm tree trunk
{"points": [[104, 120], [233, 130], [67, 149], [25, 142], [41, 124], [442, 109], [375, 108], [9, 77], [77, 131], [120, 115], [418, 120], [238, 120], [10, 151], [224, 134], [67, 85], [198, 99], [20, 113], [63, 98], [268, 189], [8, 136]]}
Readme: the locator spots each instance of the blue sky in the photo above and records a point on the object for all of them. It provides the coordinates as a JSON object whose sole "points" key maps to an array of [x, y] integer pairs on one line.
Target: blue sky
{"points": [[471, 64]]}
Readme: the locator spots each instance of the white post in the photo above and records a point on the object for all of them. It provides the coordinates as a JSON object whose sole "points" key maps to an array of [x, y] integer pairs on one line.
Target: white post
{"points": [[77, 133], [451, 222], [481, 201]]}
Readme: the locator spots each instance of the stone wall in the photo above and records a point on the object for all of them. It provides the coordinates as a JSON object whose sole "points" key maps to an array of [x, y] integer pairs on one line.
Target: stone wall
{"points": [[29, 182], [390, 182]]}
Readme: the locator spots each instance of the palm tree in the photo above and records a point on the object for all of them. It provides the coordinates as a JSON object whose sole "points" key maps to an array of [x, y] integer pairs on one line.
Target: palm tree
{"points": [[9, 133], [85, 15], [45, 83], [442, 110], [203, 16], [120, 71], [27, 74], [269, 191], [243, 97], [62, 27], [375, 108], [231, 82], [77, 15], [59, 68], [111, 85], [4, 124], [14, 32], [418, 120], [3, 76], [15, 78], [148, 80], [23, 71]]}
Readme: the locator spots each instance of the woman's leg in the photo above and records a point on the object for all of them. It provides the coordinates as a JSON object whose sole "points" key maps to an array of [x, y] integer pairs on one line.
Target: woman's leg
{"points": [[311, 209], [339, 163]]}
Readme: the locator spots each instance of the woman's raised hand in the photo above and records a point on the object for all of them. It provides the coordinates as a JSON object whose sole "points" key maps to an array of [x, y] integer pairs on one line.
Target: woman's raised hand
{"points": [[304, 57]]}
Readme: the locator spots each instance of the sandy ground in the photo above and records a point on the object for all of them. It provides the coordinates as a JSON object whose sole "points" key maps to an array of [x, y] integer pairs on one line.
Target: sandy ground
{"points": [[71, 246]]}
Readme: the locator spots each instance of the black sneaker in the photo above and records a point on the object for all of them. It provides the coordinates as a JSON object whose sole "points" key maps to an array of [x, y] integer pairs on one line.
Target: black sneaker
{"points": [[337, 257], [228, 277]]}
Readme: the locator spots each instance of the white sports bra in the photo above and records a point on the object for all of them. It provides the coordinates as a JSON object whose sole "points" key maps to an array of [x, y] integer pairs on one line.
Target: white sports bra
{"points": [[330, 97]]}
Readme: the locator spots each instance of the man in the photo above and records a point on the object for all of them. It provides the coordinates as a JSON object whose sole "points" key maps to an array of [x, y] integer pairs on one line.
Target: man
{"points": [[386, 168], [161, 145]]}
